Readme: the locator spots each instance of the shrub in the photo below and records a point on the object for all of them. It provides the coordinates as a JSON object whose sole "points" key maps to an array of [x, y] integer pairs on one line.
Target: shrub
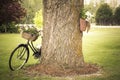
{"points": [[104, 15], [38, 19], [117, 16], [9, 28]]}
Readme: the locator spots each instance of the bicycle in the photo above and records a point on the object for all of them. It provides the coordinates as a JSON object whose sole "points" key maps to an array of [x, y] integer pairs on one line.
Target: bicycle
{"points": [[20, 54]]}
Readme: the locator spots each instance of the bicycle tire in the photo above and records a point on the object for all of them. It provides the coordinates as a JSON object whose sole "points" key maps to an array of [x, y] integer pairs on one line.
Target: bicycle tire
{"points": [[20, 56]]}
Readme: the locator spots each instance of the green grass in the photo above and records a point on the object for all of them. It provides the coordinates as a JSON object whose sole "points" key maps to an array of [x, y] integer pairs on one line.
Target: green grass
{"points": [[100, 46]]}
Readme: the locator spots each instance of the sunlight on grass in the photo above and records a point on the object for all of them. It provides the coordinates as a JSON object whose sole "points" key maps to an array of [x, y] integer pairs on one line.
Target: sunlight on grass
{"points": [[102, 46]]}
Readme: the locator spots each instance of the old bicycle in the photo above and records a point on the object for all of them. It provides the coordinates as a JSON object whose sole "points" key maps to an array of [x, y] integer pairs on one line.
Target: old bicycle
{"points": [[20, 54]]}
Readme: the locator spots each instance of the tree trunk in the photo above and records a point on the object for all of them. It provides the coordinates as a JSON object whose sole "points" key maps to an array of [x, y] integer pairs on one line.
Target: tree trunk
{"points": [[62, 38]]}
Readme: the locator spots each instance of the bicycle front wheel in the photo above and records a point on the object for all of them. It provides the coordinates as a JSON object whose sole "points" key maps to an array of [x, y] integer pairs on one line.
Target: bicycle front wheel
{"points": [[19, 57]]}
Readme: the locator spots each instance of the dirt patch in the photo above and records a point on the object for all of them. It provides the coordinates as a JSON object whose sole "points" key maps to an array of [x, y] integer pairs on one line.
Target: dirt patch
{"points": [[57, 71]]}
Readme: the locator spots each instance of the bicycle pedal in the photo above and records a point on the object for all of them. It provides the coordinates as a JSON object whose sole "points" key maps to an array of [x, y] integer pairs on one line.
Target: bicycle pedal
{"points": [[36, 56]]}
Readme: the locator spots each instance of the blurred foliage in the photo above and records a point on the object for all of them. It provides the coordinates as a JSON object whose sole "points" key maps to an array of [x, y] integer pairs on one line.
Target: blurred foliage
{"points": [[9, 28], [82, 13], [32, 6], [117, 16], [18, 11], [11, 11], [104, 15], [38, 19], [92, 7]]}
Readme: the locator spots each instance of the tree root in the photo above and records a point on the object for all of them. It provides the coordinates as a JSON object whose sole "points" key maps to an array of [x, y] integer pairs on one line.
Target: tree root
{"points": [[40, 69]]}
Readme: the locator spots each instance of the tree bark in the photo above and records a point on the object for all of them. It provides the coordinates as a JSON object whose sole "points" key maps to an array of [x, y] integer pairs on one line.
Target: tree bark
{"points": [[62, 38]]}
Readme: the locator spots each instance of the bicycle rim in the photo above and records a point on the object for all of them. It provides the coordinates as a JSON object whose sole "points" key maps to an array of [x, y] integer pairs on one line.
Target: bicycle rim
{"points": [[18, 57]]}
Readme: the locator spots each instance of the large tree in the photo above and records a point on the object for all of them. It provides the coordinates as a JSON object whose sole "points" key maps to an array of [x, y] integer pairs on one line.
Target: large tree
{"points": [[62, 41]]}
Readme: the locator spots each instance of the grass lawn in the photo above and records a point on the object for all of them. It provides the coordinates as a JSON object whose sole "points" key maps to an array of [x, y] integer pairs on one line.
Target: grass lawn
{"points": [[100, 46]]}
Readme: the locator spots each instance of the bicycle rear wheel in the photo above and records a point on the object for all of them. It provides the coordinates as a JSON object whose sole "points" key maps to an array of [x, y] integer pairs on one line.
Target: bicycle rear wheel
{"points": [[19, 57]]}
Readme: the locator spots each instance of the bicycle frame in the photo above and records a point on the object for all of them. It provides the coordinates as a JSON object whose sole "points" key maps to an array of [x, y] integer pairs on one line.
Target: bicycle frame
{"points": [[30, 44], [22, 51]]}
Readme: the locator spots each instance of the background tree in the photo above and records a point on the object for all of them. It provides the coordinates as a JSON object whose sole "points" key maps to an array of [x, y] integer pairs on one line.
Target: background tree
{"points": [[62, 41], [38, 19], [31, 6], [104, 15], [92, 7], [117, 16], [11, 11]]}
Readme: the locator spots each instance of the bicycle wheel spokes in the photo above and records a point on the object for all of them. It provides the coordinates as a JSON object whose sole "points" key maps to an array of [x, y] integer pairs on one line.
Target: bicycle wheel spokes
{"points": [[18, 57], [21, 54]]}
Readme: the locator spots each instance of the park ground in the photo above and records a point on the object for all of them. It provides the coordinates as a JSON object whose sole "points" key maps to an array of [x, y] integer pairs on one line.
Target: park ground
{"points": [[101, 46]]}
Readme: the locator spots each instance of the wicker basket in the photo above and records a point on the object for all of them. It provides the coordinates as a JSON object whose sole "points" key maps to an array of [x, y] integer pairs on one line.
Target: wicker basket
{"points": [[29, 36]]}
